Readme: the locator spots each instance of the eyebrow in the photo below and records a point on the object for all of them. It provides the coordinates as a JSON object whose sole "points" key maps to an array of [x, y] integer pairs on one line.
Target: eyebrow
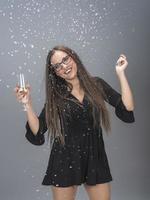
{"points": [[61, 60]]}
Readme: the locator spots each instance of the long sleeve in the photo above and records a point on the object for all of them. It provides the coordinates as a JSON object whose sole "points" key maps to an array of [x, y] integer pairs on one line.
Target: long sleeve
{"points": [[114, 99], [39, 138]]}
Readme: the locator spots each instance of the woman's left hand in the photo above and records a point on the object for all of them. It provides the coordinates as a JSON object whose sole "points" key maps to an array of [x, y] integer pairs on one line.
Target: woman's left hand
{"points": [[121, 63]]}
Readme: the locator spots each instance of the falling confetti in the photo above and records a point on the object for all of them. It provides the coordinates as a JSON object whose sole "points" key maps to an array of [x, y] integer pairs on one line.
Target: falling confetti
{"points": [[33, 28]]}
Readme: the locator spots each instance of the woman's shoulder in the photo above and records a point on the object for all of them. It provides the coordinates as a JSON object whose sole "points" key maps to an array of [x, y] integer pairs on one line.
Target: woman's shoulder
{"points": [[99, 79], [102, 83]]}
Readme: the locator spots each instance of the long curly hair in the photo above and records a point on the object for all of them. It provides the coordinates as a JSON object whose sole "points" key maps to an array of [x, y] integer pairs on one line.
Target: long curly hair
{"points": [[57, 90]]}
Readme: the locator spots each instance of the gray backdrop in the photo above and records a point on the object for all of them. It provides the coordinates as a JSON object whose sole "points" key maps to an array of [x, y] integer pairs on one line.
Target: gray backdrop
{"points": [[99, 30]]}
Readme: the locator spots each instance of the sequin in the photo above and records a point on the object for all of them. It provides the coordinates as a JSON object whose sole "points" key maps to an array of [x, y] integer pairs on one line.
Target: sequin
{"points": [[83, 158]]}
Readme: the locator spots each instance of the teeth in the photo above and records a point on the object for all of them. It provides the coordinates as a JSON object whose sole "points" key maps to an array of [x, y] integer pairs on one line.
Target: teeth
{"points": [[67, 71]]}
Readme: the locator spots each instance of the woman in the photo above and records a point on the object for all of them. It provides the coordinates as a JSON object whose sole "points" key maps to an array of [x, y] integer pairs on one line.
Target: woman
{"points": [[74, 113]]}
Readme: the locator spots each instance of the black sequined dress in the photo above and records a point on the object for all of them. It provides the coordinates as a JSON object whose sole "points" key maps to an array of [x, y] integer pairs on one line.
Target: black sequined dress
{"points": [[83, 159]]}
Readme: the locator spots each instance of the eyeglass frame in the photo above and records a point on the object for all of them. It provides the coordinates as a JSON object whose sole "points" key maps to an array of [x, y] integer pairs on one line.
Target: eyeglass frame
{"points": [[64, 61]]}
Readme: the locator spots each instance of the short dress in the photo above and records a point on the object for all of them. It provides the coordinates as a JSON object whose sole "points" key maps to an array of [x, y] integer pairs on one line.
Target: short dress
{"points": [[83, 159]]}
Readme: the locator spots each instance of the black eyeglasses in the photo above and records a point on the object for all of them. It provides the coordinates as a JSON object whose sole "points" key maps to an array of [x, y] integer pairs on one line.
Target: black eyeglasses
{"points": [[66, 60]]}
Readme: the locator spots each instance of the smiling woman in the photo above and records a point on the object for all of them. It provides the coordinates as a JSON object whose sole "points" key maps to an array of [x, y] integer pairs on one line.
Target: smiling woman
{"points": [[58, 66], [63, 65], [74, 114]]}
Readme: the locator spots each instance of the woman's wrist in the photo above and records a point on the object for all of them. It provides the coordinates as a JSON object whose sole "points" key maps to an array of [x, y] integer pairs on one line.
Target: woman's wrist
{"points": [[28, 105], [120, 73]]}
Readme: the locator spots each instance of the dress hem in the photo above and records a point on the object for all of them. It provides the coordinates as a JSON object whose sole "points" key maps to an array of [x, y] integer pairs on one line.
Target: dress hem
{"points": [[79, 183]]}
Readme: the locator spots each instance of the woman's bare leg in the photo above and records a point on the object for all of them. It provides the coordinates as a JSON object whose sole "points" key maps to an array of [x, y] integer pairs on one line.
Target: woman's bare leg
{"points": [[64, 193], [99, 191]]}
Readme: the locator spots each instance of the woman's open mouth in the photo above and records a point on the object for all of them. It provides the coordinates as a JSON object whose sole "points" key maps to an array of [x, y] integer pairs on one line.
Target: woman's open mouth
{"points": [[68, 71]]}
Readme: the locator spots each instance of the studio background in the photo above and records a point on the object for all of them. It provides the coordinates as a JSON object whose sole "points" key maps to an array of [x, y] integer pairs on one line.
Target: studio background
{"points": [[99, 31]]}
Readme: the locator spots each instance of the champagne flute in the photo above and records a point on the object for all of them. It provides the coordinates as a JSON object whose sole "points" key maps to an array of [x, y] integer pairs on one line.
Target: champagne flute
{"points": [[22, 88]]}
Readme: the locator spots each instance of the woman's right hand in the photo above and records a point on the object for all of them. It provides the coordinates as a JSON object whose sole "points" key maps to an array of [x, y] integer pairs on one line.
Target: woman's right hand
{"points": [[21, 96]]}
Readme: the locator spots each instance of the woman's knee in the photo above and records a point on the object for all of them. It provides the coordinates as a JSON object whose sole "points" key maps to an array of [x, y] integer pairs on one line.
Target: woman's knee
{"points": [[99, 191], [67, 193]]}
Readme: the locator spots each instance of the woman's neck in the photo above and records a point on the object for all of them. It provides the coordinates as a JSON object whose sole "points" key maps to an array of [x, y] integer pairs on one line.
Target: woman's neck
{"points": [[76, 84]]}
